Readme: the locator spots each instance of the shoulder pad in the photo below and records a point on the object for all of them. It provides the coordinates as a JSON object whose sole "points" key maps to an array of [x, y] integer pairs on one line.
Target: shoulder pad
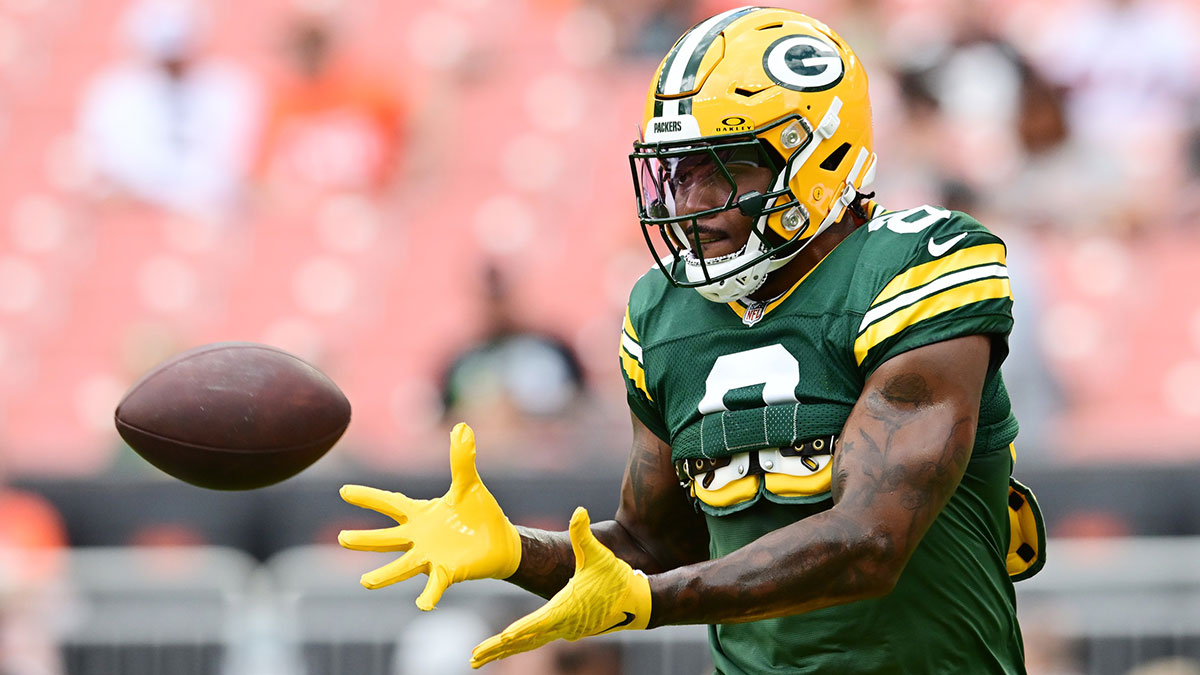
{"points": [[921, 266]]}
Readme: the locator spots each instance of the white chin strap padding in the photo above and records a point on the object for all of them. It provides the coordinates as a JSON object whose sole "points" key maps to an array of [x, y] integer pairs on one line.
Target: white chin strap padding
{"points": [[738, 286]]}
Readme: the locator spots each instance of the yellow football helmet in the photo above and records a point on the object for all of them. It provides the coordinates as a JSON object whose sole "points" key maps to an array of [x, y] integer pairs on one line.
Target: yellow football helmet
{"points": [[770, 87]]}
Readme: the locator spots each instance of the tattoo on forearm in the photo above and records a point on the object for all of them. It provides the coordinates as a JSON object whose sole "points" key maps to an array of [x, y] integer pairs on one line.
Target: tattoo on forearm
{"points": [[774, 576], [899, 406], [641, 480]]}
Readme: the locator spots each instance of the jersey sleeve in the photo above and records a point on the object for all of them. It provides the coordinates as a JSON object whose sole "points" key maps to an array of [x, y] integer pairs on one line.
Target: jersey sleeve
{"points": [[636, 389], [949, 280]]}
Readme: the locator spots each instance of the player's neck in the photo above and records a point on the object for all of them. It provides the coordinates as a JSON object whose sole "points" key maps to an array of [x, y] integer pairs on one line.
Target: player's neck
{"points": [[779, 281]]}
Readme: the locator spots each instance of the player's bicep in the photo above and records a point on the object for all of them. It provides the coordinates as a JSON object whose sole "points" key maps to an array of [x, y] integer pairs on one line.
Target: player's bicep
{"points": [[908, 440], [654, 509]]}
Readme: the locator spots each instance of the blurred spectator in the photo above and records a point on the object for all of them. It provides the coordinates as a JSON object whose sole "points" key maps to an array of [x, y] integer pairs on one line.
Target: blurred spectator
{"points": [[168, 126], [1190, 198], [515, 381], [1129, 68], [983, 133], [957, 91], [334, 125], [1059, 181], [919, 144], [975, 77], [1129, 65], [521, 371], [1038, 397], [32, 539]]}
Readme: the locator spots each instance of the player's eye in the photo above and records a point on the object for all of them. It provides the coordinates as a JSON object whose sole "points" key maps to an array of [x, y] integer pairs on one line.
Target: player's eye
{"points": [[692, 172]]}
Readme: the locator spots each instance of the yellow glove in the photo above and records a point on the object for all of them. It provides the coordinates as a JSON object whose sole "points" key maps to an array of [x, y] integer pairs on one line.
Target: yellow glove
{"points": [[459, 536], [605, 595]]}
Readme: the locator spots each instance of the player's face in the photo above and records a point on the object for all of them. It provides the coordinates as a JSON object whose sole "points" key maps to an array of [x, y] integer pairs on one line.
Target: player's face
{"points": [[698, 184]]}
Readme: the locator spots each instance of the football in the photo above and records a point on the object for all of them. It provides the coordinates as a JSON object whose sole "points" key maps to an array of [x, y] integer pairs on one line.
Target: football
{"points": [[233, 415]]}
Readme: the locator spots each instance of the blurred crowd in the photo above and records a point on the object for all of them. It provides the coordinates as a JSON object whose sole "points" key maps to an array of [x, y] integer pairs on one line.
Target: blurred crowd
{"points": [[430, 201]]}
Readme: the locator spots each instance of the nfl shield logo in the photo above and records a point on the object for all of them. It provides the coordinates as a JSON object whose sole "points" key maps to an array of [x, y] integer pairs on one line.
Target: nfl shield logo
{"points": [[753, 314]]}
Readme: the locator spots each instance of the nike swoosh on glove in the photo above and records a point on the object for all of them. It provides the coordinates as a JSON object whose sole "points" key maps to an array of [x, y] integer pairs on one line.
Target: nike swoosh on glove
{"points": [[604, 595]]}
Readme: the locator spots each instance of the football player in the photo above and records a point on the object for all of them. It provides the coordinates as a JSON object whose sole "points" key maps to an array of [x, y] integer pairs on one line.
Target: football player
{"points": [[822, 439]]}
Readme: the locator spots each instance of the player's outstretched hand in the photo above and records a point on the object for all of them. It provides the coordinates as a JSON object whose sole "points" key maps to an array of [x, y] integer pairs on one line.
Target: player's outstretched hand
{"points": [[459, 536], [604, 595]]}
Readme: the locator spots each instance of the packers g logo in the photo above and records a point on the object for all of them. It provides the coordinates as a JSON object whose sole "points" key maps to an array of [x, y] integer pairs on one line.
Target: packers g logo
{"points": [[803, 63]]}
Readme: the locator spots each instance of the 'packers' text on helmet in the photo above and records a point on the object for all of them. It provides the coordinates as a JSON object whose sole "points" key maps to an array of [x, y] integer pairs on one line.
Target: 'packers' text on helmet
{"points": [[757, 86]]}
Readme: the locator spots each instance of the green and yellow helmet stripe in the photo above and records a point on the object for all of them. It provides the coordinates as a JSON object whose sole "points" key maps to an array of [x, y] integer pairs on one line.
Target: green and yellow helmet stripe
{"points": [[682, 64]]}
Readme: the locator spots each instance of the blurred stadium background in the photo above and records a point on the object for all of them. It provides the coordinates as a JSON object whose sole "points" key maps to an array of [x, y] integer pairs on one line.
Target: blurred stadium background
{"points": [[431, 202]]}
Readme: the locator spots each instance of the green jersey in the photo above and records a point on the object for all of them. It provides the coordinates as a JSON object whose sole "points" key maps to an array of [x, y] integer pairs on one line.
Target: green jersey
{"points": [[727, 384]]}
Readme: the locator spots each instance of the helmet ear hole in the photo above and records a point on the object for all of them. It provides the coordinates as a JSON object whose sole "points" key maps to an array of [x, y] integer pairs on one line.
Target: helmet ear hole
{"points": [[835, 158]]}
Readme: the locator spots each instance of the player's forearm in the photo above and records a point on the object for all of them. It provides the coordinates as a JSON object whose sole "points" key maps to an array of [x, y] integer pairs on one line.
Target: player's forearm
{"points": [[828, 559], [547, 560]]}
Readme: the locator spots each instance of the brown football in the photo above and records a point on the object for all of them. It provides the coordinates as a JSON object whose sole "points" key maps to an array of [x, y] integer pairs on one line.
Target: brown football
{"points": [[233, 415]]}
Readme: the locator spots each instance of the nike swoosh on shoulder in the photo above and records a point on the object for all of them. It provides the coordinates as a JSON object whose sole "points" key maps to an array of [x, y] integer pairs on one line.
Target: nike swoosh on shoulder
{"points": [[937, 250], [629, 617]]}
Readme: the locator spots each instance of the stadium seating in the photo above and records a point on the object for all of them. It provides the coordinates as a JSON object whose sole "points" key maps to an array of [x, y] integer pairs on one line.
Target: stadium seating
{"points": [[530, 172]]}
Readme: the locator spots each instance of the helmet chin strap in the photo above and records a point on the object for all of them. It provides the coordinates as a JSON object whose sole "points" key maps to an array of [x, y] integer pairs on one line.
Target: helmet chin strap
{"points": [[738, 286], [753, 278]]}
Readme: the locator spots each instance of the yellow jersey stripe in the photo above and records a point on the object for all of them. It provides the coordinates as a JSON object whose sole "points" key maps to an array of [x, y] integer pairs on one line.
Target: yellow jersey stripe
{"points": [[931, 306], [923, 274], [635, 372], [940, 284], [629, 326]]}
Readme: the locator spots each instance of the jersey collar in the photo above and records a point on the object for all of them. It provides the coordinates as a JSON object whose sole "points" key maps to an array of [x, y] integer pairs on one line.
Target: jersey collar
{"points": [[753, 311]]}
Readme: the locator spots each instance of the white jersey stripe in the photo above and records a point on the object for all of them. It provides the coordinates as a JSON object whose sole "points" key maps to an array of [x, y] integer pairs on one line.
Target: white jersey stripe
{"points": [[634, 349]]}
